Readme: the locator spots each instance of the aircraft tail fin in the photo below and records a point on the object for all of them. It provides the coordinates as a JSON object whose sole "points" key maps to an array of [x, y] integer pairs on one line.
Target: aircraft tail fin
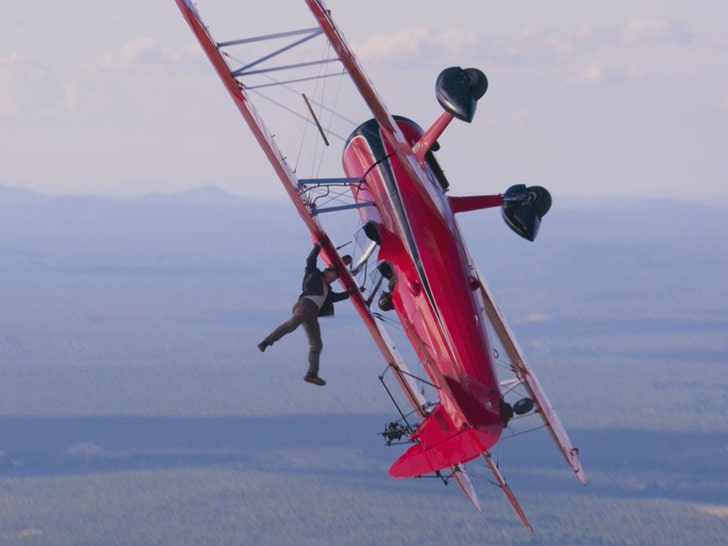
{"points": [[463, 481], [440, 445]]}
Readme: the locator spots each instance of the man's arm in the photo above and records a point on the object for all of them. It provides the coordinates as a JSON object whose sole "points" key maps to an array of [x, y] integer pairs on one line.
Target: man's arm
{"points": [[339, 296], [312, 257]]}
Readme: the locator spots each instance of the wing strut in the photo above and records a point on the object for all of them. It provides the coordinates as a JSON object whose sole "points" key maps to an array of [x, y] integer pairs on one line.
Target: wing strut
{"points": [[312, 33], [390, 129]]}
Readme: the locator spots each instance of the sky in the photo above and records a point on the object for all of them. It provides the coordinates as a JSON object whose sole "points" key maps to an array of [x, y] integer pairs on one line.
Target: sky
{"points": [[590, 99]]}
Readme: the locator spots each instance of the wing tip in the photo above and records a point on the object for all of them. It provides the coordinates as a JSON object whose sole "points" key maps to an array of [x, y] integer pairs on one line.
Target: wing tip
{"points": [[581, 476]]}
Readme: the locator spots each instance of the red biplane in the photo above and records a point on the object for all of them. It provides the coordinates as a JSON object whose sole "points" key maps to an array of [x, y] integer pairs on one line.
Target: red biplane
{"points": [[411, 258]]}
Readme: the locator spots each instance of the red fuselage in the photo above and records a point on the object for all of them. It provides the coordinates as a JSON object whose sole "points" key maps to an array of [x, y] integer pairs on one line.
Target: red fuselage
{"points": [[434, 288]]}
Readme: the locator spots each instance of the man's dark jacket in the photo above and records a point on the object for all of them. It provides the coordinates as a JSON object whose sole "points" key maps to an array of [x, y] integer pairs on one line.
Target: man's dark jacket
{"points": [[313, 284]]}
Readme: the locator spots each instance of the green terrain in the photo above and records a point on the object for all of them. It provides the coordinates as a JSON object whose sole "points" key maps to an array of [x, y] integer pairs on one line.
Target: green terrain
{"points": [[135, 410]]}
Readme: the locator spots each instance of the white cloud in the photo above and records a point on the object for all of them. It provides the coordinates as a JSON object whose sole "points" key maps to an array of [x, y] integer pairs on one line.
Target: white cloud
{"points": [[597, 71], [406, 42], [591, 73], [140, 53], [7, 105], [534, 317], [522, 117], [86, 449], [126, 79], [634, 72], [639, 30], [724, 102], [28, 86], [416, 42], [542, 45], [652, 29]]}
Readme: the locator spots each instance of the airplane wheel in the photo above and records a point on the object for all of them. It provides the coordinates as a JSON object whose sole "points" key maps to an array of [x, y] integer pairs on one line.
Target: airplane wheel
{"points": [[385, 302], [523, 406]]}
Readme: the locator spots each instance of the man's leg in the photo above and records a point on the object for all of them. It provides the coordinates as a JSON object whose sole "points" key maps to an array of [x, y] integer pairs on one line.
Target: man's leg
{"points": [[298, 316], [315, 345]]}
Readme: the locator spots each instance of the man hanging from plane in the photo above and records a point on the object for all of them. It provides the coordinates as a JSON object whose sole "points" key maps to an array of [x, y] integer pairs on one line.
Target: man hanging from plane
{"points": [[316, 300]]}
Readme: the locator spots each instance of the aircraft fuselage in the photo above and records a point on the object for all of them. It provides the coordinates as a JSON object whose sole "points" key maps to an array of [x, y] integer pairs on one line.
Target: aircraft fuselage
{"points": [[434, 286]]}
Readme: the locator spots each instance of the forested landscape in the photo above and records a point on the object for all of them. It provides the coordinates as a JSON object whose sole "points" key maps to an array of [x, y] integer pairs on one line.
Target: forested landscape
{"points": [[135, 408]]}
